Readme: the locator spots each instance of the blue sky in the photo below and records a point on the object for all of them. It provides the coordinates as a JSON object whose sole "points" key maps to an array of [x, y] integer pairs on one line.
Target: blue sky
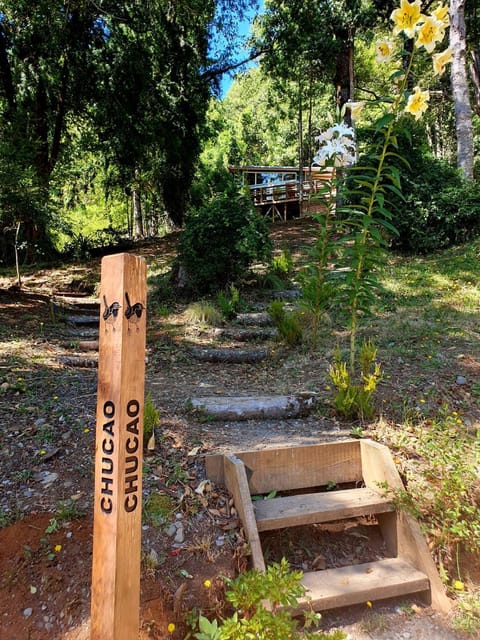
{"points": [[243, 33]]}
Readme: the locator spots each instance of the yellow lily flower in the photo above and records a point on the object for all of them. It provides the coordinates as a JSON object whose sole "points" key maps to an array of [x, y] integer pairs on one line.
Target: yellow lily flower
{"points": [[355, 108], [441, 14], [431, 32], [407, 17], [440, 60], [417, 102], [384, 50]]}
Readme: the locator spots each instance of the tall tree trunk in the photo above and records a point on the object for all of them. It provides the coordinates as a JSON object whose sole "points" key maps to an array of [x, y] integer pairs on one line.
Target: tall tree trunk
{"points": [[300, 145], [461, 97], [343, 80], [475, 76], [137, 212]]}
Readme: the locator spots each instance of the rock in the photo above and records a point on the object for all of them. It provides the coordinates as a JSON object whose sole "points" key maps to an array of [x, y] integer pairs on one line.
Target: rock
{"points": [[461, 380], [27, 612], [180, 535], [47, 477], [288, 294], [171, 530], [153, 557]]}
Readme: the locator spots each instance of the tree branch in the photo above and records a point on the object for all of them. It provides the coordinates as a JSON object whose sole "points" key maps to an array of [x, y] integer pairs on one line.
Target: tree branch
{"points": [[219, 69]]}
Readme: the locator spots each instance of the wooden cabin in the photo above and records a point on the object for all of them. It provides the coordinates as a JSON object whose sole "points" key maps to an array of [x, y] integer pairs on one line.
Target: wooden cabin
{"points": [[281, 192]]}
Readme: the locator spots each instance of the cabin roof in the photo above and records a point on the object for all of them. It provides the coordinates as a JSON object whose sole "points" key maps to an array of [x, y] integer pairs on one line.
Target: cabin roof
{"points": [[269, 169]]}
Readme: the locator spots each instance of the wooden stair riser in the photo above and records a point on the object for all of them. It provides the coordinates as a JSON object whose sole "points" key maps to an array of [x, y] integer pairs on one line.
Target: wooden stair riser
{"points": [[410, 570]]}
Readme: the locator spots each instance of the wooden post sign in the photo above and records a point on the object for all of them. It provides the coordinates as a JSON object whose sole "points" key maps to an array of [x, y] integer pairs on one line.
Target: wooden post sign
{"points": [[118, 452]]}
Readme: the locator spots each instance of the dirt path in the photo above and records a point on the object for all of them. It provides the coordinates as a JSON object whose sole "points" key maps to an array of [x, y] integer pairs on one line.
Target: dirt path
{"points": [[46, 456]]}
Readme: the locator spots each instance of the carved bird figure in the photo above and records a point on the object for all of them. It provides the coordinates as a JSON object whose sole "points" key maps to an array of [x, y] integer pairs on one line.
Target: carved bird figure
{"points": [[110, 312], [133, 313]]}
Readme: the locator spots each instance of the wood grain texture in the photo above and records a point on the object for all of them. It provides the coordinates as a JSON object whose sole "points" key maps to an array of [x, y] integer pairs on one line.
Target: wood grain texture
{"points": [[236, 483], [296, 467], [402, 533], [361, 583], [314, 508], [118, 452]]}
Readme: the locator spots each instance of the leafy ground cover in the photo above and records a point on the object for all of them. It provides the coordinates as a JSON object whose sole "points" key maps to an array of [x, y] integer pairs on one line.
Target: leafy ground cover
{"points": [[426, 332]]}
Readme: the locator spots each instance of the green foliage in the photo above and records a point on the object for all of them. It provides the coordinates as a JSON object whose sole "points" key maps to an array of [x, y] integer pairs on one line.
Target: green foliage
{"points": [[467, 613], [318, 291], [151, 416], [248, 594], [203, 312], [354, 398], [282, 264], [99, 243], [437, 207], [287, 323], [229, 304], [440, 209], [221, 240], [158, 508], [443, 489]]}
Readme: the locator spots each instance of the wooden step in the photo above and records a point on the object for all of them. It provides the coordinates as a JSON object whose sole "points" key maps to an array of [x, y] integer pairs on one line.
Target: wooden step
{"points": [[389, 578], [314, 508]]}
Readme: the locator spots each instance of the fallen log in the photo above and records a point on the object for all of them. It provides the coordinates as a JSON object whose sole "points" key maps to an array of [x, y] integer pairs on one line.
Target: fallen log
{"points": [[233, 356], [82, 320], [78, 362], [259, 319], [245, 334], [254, 407]]}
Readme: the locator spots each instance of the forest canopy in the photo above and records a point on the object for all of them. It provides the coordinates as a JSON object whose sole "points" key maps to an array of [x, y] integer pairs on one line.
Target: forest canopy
{"points": [[111, 119]]}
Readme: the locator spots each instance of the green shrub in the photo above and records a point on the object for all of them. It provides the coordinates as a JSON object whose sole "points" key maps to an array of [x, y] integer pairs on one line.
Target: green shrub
{"points": [[354, 398], [282, 264], [287, 323], [151, 416], [229, 304], [221, 240], [249, 594], [203, 312], [443, 485], [439, 208]]}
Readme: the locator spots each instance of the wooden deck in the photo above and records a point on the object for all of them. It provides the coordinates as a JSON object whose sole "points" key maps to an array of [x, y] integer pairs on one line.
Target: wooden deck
{"points": [[279, 193]]}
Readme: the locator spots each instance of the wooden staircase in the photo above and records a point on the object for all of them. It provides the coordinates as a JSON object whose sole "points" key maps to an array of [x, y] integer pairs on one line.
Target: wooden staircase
{"points": [[307, 470]]}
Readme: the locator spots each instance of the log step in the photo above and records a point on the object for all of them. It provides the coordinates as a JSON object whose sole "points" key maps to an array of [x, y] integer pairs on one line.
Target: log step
{"points": [[233, 356], [255, 407], [245, 334], [260, 319], [389, 578], [314, 508], [83, 320]]}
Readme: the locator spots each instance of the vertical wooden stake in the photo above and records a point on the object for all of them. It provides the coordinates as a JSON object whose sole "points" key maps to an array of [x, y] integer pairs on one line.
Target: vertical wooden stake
{"points": [[118, 453]]}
